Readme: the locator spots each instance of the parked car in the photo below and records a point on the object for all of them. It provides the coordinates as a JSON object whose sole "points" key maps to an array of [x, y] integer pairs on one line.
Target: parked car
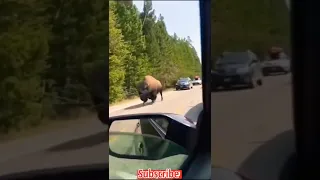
{"points": [[197, 81], [237, 68], [276, 62], [184, 83]]}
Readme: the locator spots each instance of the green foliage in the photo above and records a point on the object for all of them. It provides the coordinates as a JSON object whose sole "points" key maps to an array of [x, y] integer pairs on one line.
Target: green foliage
{"points": [[119, 52], [49, 47], [151, 50], [46, 49], [136, 64], [23, 54]]}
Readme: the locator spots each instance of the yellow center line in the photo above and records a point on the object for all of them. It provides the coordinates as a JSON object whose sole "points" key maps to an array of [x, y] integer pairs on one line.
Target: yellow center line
{"points": [[180, 111], [114, 138]]}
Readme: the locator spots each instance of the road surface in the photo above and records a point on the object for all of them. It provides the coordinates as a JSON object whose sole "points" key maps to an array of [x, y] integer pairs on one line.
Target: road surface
{"points": [[88, 142], [250, 128]]}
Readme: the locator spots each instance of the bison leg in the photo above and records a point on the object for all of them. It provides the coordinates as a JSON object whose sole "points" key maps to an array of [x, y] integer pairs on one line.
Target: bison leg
{"points": [[153, 97], [161, 94], [144, 102]]}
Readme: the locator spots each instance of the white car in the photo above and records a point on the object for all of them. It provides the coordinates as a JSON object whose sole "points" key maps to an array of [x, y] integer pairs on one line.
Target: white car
{"points": [[197, 81], [276, 66]]}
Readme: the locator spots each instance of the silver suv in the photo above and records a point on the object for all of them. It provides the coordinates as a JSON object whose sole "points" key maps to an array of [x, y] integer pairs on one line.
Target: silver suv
{"points": [[237, 68]]}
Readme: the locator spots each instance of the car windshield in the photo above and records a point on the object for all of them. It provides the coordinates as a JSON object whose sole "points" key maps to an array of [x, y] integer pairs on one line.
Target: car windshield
{"points": [[183, 80], [59, 85], [234, 58], [252, 117], [155, 65], [276, 56]]}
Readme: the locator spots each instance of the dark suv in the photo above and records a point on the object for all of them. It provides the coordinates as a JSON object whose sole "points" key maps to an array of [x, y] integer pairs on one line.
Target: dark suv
{"points": [[237, 68]]}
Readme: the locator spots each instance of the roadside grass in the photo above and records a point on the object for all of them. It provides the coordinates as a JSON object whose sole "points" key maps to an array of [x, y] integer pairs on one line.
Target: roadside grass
{"points": [[59, 123], [124, 101], [48, 125]]}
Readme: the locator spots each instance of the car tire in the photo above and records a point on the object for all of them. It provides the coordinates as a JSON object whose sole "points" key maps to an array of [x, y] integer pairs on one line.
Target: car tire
{"points": [[259, 82], [253, 84]]}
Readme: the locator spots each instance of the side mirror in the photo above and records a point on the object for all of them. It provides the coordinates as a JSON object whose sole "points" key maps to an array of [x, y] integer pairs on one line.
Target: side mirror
{"points": [[150, 136]]}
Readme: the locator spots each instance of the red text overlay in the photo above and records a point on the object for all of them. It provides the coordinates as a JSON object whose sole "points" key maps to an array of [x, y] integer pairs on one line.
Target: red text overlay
{"points": [[159, 174]]}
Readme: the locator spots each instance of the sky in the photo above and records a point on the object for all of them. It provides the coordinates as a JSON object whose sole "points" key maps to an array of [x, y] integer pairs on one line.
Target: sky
{"points": [[181, 17]]}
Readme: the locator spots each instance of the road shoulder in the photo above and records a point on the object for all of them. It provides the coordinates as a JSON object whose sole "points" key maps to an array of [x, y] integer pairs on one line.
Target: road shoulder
{"points": [[131, 102]]}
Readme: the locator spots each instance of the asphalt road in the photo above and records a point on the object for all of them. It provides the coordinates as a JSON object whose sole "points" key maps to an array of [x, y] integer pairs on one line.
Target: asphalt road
{"points": [[86, 143], [178, 102], [251, 128], [243, 121]]}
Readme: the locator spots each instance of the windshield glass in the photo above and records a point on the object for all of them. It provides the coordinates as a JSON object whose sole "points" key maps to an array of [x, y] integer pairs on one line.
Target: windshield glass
{"points": [[153, 64], [252, 115], [276, 56], [183, 80], [234, 58], [58, 82], [49, 56]]}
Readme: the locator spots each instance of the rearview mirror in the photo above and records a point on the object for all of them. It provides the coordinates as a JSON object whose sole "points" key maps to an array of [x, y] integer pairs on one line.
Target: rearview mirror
{"points": [[150, 136]]}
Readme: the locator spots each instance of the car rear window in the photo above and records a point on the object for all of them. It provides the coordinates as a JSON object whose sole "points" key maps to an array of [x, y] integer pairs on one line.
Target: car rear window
{"points": [[234, 58]]}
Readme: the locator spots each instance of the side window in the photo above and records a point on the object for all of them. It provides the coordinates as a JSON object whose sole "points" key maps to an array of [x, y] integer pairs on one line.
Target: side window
{"points": [[163, 123], [154, 127]]}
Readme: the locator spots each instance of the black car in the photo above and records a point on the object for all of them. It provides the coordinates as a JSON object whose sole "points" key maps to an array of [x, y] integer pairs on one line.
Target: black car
{"points": [[184, 83], [237, 68]]}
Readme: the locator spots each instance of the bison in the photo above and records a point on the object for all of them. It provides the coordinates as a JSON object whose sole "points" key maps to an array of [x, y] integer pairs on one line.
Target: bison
{"points": [[149, 89]]}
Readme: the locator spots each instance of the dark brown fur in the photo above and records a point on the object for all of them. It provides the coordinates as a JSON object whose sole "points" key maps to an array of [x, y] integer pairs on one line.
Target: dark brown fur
{"points": [[149, 89]]}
